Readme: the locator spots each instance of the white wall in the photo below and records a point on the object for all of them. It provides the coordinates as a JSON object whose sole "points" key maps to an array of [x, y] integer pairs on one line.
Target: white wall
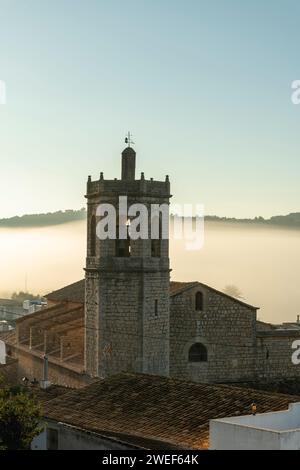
{"points": [[266, 431], [71, 438], [40, 442], [230, 436], [277, 420]]}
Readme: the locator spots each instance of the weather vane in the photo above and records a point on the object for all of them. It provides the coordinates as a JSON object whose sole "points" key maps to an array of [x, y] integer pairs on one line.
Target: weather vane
{"points": [[128, 139]]}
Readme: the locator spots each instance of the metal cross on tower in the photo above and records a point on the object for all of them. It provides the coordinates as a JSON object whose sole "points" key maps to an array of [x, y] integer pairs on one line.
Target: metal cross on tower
{"points": [[128, 139]]}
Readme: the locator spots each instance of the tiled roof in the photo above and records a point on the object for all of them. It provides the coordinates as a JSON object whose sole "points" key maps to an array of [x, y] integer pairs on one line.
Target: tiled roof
{"points": [[182, 286], [177, 287], [43, 396], [9, 337], [287, 386], [75, 292], [46, 395], [158, 408], [71, 293]]}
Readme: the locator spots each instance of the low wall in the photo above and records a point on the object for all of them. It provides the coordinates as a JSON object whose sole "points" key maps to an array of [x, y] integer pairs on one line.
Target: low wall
{"points": [[31, 366]]}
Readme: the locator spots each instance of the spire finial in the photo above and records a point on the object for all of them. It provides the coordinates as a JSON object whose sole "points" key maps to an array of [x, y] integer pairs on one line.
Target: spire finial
{"points": [[128, 139]]}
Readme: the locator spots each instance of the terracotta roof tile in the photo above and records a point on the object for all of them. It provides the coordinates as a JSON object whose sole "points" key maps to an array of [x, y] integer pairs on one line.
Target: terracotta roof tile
{"points": [[45, 396], [72, 293], [177, 287], [158, 408], [75, 292], [289, 386]]}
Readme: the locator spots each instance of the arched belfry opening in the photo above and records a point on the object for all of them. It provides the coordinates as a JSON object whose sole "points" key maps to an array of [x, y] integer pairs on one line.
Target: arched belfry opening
{"points": [[156, 243]]}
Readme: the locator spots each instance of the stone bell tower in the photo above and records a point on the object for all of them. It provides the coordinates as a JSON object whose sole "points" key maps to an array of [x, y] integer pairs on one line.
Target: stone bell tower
{"points": [[127, 281]]}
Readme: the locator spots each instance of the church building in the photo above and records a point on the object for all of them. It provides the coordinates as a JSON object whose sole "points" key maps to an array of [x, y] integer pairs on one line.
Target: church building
{"points": [[128, 316]]}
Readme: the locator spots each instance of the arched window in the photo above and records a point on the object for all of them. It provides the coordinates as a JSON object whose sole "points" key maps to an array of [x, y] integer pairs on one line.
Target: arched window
{"points": [[198, 353], [93, 236], [123, 248], [199, 301]]}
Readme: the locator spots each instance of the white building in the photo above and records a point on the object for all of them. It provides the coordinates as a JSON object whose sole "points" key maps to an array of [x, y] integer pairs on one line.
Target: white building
{"points": [[278, 430]]}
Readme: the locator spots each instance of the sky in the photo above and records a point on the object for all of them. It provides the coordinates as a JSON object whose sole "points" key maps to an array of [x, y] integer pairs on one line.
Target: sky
{"points": [[204, 86]]}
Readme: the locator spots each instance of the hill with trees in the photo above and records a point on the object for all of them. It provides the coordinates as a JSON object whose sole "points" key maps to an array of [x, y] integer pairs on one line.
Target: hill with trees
{"points": [[62, 217]]}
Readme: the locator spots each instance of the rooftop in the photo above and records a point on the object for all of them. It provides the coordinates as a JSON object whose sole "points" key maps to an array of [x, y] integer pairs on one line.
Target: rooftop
{"points": [[72, 293], [279, 421], [57, 331], [279, 430], [75, 292], [289, 386], [164, 411]]}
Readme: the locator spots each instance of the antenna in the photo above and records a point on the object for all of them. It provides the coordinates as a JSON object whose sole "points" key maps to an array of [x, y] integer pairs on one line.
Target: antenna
{"points": [[128, 139], [26, 281]]}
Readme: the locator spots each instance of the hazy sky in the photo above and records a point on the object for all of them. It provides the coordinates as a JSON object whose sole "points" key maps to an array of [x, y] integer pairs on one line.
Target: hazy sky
{"points": [[204, 86]]}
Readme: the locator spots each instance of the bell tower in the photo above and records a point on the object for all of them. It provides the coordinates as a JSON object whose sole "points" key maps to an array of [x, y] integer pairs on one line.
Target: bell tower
{"points": [[127, 280]]}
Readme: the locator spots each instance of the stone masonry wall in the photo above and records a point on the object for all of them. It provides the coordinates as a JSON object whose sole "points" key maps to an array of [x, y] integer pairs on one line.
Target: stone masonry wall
{"points": [[31, 366], [120, 328], [274, 355], [132, 337], [126, 329], [156, 323], [225, 327], [91, 340]]}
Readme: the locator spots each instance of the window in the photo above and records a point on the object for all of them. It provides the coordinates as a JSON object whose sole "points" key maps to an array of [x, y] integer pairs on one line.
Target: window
{"points": [[52, 439], [123, 248], [267, 352], [93, 235], [198, 353], [155, 248], [199, 301], [156, 308], [156, 242]]}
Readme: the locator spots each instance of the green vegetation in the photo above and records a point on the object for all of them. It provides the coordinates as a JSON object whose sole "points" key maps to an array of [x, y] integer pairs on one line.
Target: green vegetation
{"points": [[61, 217], [20, 417], [21, 296], [43, 220], [291, 220], [233, 291]]}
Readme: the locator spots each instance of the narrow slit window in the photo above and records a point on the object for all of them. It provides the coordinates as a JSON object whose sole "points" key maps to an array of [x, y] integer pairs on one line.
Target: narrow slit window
{"points": [[199, 301], [93, 235]]}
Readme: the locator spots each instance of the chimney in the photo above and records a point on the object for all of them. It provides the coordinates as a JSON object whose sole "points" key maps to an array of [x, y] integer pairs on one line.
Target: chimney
{"points": [[45, 382], [298, 318]]}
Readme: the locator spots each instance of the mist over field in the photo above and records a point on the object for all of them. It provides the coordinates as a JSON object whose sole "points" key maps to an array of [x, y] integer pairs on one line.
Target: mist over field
{"points": [[262, 261]]}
